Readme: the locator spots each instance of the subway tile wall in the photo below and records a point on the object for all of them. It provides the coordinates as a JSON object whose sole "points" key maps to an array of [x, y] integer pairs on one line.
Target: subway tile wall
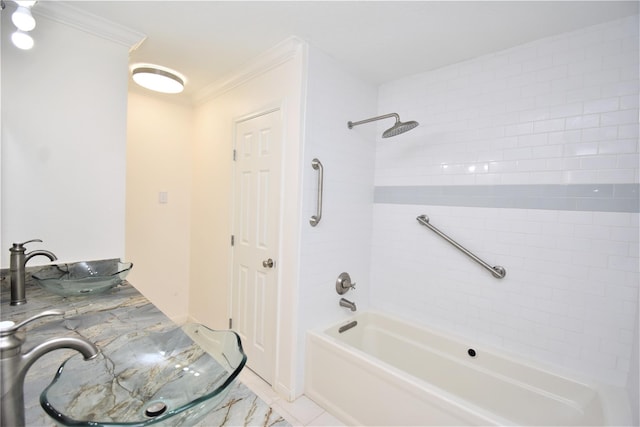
{"points": [[341, 241], [559, 110], [557, 114], [569, 297]]}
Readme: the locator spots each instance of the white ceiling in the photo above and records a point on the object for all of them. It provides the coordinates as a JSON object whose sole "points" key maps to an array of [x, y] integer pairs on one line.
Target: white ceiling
{"points": [[377, 40]]}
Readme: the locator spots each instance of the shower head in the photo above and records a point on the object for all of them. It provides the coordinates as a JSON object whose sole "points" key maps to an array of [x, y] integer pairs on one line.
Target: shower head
{"points": [[398, 128]]}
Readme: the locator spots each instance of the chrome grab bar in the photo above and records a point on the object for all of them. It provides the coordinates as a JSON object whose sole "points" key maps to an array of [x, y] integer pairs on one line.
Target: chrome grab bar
{"points": [[497, 271], [316, 165]]}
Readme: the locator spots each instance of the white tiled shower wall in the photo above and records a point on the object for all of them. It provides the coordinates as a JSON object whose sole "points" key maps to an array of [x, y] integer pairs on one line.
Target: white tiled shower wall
{"points": [[560, 110], [341, 241]]}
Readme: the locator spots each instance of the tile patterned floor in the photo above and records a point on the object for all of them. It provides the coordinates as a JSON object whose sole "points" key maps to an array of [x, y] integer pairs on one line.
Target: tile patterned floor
{"points": [[300, 413]]}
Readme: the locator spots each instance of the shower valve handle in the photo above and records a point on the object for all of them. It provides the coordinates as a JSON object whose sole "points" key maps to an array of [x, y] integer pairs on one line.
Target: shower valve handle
{"points": [[344, 283]]}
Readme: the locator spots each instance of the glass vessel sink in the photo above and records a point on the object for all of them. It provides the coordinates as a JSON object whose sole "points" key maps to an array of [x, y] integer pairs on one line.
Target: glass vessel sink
{"points": [[82, 278], [165, 378]]}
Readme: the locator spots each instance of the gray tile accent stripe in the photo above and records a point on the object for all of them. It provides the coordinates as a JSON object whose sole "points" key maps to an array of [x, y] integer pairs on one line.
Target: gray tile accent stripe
{"points": [[570, 197]]}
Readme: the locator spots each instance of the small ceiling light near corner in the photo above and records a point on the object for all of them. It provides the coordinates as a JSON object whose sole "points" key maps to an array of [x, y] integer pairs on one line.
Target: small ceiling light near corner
{"points": [[22, 40], [158, 78], [22, 19]]}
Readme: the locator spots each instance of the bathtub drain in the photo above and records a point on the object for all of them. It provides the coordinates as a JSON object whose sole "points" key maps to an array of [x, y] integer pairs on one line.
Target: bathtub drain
{"points": [[471, 352]]}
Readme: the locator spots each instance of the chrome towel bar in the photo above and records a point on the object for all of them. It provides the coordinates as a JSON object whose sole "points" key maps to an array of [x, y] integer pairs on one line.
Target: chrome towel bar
{"points": [[316, 165], [497, 271]]}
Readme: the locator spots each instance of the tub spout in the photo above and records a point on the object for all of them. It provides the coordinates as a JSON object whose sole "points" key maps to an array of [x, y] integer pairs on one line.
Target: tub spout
{"points": [[348, 304]]}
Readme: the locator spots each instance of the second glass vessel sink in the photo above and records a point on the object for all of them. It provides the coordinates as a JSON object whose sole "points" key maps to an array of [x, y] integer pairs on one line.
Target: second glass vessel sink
{"points": [[83, 278], [164, 378]]}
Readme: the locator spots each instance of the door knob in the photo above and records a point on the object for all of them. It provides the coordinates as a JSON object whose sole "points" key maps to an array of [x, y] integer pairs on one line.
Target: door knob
{"points": [[267, 263]]}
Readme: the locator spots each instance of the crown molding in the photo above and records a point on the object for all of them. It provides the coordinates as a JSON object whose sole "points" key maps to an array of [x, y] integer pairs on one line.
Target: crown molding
{"points": [[277, 55], [64, 13]]}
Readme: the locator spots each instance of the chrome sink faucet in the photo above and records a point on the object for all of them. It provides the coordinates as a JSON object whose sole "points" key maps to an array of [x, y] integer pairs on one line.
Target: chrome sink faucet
{"points": [[14, 364], [17, 269]]}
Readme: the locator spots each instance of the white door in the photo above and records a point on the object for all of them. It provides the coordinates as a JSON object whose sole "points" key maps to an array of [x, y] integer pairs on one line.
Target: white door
{"points": [[255, 249]]}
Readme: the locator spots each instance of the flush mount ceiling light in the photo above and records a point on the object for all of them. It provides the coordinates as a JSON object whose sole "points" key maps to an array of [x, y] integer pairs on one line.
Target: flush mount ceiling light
{"points": [[159, 79]]}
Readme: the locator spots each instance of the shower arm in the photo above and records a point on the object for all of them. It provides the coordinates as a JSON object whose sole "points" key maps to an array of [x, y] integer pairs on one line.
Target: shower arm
{"points": [[373, 119]]}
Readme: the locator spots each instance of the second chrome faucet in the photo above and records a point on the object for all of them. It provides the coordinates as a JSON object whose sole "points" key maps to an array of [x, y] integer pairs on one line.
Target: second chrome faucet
{"points": [[17, 269], [14, 364]]}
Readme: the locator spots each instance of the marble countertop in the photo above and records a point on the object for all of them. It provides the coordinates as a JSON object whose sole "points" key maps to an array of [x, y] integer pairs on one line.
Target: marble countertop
{"points": [[101, 319]]}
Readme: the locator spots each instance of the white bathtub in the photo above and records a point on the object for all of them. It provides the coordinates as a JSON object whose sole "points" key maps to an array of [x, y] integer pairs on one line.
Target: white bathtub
{"points": [[384, 371]]}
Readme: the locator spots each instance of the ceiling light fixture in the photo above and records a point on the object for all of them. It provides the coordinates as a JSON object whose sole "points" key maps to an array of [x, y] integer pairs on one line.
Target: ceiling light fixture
{"points": [[22, 40], [24, 22], [23, 19], [159, 79]]}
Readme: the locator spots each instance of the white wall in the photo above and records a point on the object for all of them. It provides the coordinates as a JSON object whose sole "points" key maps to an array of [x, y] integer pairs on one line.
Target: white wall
{"points": [[529, 157], [156, 234], [274, 79], [64, 109], [341, 242], [159, 156]]}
